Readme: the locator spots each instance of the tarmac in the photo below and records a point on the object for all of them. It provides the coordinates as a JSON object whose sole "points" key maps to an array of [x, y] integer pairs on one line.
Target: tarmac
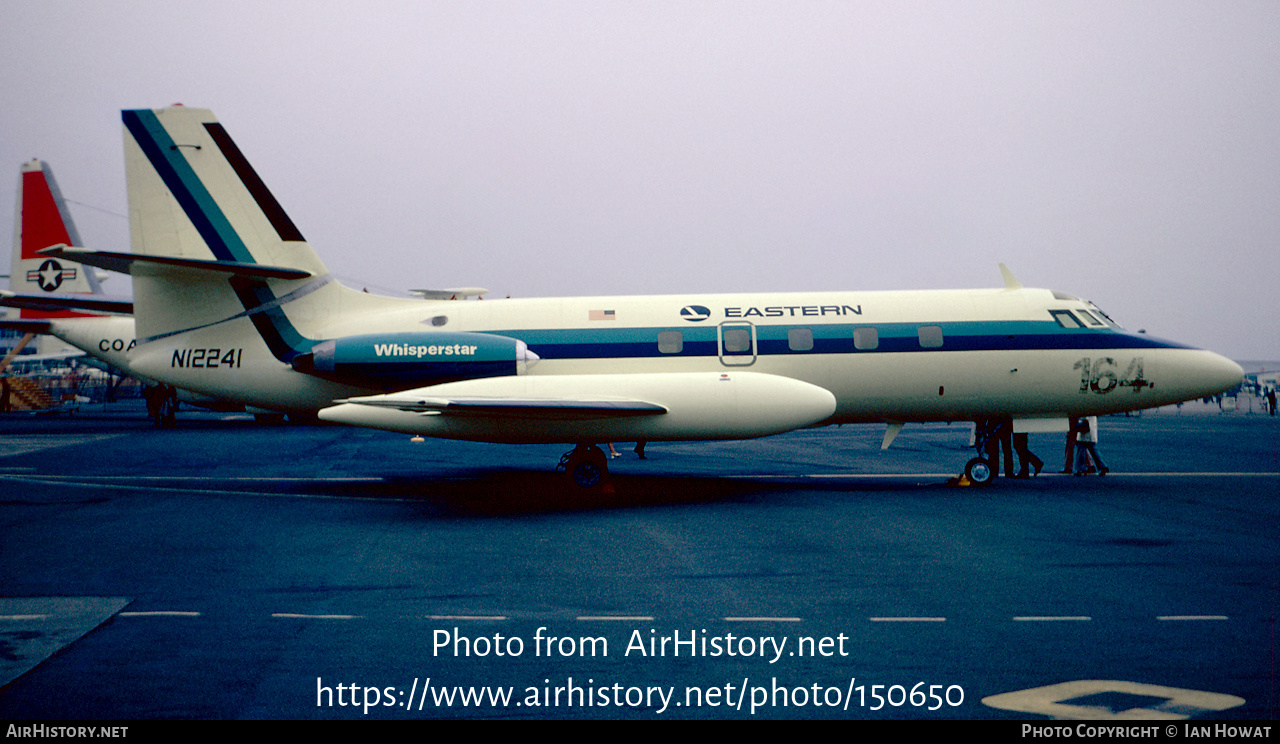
{"points": [[231, 569]]}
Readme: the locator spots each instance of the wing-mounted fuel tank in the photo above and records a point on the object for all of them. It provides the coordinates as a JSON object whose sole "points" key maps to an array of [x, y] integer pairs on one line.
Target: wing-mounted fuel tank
{"points": [[398, 361]]}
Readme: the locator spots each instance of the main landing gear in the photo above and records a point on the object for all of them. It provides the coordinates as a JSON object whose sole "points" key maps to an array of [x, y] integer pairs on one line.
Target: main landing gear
{"points": [[162, 404], [586, 466]]}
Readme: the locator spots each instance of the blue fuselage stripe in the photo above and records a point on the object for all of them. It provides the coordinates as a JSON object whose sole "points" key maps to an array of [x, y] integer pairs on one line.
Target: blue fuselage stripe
{"points": [[894, 338]]}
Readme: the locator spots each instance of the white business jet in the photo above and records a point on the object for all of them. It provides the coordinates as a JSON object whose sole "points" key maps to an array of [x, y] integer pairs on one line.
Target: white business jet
{"points": [[231, 301]]}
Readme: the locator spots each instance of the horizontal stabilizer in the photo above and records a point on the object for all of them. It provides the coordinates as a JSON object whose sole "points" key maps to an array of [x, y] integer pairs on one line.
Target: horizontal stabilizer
{"points": [[132, 263], [96, 303]]}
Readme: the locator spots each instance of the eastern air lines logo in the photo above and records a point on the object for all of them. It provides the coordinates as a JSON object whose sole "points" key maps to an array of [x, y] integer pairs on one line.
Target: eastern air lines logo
{"points": [[695, 313], [50, 275]]}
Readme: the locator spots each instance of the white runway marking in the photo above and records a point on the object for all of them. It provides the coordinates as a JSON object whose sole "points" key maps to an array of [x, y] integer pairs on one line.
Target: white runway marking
{"points": [[1059, 701], [640, 618]]}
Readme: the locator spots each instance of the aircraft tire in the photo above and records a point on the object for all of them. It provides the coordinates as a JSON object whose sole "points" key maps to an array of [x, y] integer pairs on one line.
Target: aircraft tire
{"points": [[587, 468], [586, 475], [979, 471]]}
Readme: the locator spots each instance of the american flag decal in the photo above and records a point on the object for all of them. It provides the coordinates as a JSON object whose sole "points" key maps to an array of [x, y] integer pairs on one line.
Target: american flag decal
{"points": [[601, 315]]}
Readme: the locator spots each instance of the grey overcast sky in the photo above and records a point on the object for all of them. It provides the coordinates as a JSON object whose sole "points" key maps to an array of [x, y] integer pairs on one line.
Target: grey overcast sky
{"points": [[1126, 152]]}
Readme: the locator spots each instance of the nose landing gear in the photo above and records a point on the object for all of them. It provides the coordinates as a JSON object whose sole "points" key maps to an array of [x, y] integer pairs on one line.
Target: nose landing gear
{"points": [[979, 471]]}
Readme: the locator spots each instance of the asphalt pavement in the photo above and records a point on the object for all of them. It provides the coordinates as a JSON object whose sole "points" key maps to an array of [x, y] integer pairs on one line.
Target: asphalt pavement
{"points": [[229, 569]]}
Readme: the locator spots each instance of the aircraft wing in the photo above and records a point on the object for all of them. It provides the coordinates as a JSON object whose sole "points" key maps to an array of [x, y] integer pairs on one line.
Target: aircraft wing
{"points": [[57, 356], [96, 303], [657, 406], [25, 325], [542, 408]]}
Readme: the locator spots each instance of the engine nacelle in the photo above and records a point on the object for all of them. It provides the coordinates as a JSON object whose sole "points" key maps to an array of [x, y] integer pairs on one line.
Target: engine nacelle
{"points": [[398, 361]]}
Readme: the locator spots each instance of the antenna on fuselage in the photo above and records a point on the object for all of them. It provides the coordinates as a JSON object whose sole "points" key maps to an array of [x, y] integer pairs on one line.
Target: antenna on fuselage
{"points": [[1010, 281]]}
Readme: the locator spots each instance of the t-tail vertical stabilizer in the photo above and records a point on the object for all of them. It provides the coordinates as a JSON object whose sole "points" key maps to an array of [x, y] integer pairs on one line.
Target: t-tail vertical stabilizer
{"points": [[217, 264]]}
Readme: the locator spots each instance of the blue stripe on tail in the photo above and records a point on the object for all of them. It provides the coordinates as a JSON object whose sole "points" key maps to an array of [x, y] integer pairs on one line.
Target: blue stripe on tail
{"points": [[213, 226]]}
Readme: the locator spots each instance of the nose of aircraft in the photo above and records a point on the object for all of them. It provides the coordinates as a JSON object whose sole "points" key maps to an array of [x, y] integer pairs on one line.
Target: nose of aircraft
{"points": [[1214, 373]]}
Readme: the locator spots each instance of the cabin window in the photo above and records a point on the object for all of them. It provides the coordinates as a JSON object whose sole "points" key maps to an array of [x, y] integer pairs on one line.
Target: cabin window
{"points": [[1066, 319], [737, 340], [437, 321], [670, 342], [930, 337], [800, 339], [865, 339]]}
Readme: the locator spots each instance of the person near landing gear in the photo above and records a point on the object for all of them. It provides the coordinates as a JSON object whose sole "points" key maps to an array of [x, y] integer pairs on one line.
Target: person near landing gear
{"points": [[1025, 456], [1086, 446], [1000, 437]]}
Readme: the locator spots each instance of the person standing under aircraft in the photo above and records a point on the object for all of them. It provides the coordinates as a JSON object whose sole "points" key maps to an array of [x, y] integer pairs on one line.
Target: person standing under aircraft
{"points": [[1025, 455], [1086, 446], [996, 435], [1068, 465]]}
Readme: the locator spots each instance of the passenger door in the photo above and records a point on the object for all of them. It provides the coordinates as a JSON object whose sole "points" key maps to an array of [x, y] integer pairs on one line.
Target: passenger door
{"points": [[737, 342]]}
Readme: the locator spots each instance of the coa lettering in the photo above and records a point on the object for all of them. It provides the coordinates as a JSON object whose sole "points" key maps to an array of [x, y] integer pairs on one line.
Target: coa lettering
{"points": [[206, 358], [116, 344], [1102, 375]]}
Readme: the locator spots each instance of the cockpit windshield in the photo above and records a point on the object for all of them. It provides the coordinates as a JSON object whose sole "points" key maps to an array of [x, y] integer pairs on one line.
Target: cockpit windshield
{"points": [[1098, 311], [1084, 315]]}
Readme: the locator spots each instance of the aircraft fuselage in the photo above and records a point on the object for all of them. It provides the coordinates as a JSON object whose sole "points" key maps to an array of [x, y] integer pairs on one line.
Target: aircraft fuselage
{"points": [[883, 356]]}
